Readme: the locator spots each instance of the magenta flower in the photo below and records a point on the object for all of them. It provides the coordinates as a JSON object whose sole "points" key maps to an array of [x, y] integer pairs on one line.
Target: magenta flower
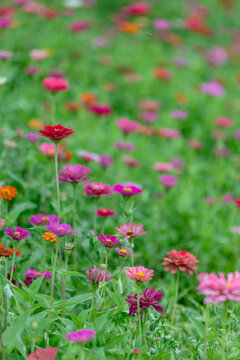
{"points": [[213, 88], [105, 212], [168, 181], [34, 274], [219, 288], [49, 353], [163, 166], [147, 298], [109, 240], [33, 137], [130, 231], [19, 234], [105, 160], [40, 219], [73, 174], [100, 109], [125, 146], [79, 26], [81, 336], [139, 273], [60, 229], [123, 251], [128, 190], [54, 84], [96, 276], [97, 189], [180, 260], [127, 126], [162, 24], [149, 116]]}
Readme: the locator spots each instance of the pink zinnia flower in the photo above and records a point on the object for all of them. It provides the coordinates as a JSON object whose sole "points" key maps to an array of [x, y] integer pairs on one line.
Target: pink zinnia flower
{"points": [[39, 54], [130, 230], [180, 260], [33, 137], [170, 133], [125, 146], [224, 122], [123, 251], [60, 229], [213, 88], [128, 190], [168, 181], [73, 174], [49, 150], [54, 84], [179, 114], [109, 240], [79, 26], [19, 234], [2, 223], [96, 276], [137, 8], [217, 56], [41, 219], [127, 126], [81, 336], [97, 189], [105, 161], [219, 288], [162, 24], [130, 161], [139, 273], [49, 353], [34, 274], [105, 212], [149, 116], [162, 166]]}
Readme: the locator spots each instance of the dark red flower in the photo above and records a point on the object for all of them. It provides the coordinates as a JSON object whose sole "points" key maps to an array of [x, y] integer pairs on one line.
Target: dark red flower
{"points": [[56, 132]]}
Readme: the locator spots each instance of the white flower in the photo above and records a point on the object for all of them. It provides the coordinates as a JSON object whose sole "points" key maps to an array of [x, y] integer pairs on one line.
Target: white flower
{"points": [[3, 79]]}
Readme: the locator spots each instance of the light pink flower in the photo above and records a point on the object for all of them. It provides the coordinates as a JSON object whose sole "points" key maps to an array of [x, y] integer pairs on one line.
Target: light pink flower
{"points": [[130, 230], [48, 353], [163, 166], [139, 273], [127, 126]]}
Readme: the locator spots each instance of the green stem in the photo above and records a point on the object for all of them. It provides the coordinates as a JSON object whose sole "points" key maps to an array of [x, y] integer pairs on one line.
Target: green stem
{"points": [[176, 297], [139, 313], [74, 224], [132, 254], [92, 303], [95, 217], [64, 276], [82, 354], [57, 179], [53, 109], [206, 333], [13, 261], [224, 337]]}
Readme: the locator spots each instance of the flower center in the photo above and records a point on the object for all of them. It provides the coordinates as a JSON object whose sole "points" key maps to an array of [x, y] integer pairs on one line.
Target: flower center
{"points": [[109, 240], [140, 274], [17, 233], [45, 220], [123, 251], [228, 284], [143, 298], [104, 210], [129, 232], [128, 189], [60, 228], [38, 273]]}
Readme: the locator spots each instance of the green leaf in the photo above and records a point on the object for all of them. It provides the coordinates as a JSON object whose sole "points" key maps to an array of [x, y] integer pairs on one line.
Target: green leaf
{"points": [[73, 301], [19, 209]]}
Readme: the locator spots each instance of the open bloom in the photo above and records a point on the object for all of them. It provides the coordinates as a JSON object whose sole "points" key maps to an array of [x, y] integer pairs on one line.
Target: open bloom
{"points": [[139, 273], [73, 173], [168, 181], [127, 126], [105, 212], [96, 276], [49, 353], [219, 288], [97, 189], [127, 190], [180, 260], [60, 229], [130, 230], [49, 236], [41, 219], [213, 88], [55, 84], [147, 298], [19, 234], [33, 137], [6, 252], [217, 56], [109, 240], [34, 274], [8, 192], [56, 132], [81, 336], [100, 109], [123, 251]]}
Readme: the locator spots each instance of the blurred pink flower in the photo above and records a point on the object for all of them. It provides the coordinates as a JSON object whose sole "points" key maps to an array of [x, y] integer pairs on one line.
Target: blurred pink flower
{"points": [[49, 149], [127, 126], [49, 353], [213, 88], [168, 181], [163, 166], [98, 189], [217, 56]]}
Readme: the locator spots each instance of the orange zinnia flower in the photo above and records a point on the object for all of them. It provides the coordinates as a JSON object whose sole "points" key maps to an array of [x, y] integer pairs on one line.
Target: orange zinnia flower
{"points": [[8, 192], [129, 28], [88, 98], [36, 124], [5, 252], [49, 236]]}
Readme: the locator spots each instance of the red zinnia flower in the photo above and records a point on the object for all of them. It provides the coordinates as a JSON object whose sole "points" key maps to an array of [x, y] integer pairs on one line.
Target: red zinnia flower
{"points": [[55, 84], [56, 132], [180, 260]]}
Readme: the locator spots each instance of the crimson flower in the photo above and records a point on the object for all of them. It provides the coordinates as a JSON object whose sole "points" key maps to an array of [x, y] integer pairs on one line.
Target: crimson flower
{"points": [[56, 132]]}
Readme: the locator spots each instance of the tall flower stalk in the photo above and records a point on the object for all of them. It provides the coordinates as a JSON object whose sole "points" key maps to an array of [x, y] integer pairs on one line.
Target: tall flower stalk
{"points": [[57, 179], [13, 260], [175, 297]]}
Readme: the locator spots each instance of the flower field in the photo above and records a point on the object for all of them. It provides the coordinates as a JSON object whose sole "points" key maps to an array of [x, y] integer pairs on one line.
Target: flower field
{"points": [[119, 181]]}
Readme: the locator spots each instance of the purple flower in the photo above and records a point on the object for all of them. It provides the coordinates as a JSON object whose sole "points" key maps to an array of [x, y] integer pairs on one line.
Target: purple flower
{"points": [[33, 137], [123, 251], [96, 276], [19, 234], [109, 240], [127, 190], [2, 223], [31, 70], [180, 61], [179, 114], [237, 134], [81, 336], [73, 174], [60, 229], [40, 219], [5, 55], [147, 299], [34, 274], [168, 181], [213, 88]]}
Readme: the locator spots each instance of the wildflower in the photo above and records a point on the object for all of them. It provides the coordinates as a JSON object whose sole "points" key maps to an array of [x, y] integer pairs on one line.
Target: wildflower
{"points": [[195, 144], [19, 234], [105, 212], [147, 298], [149, 116], [49, 236], [219, 288], [129, 28], [73, 174], [33, 137], [224, 122], [39, 54], [96, 276], [5, 55], [81, 336], [130, 231], [179, 114], [137, 9], [31, 70], [127, 190], [168, 181], [34, 274], [49, 150], [162, 166], [56, 132], [49, 353], [139, 273], [127, 126], [60, 229], [97, 189], [124, 146], [123, 251], [109, 240], [105, 161], [41, 219], [180, 260], [130, 161], [55, 84], [170, 133], [162, 24], [137, 351], [8, 192]]}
